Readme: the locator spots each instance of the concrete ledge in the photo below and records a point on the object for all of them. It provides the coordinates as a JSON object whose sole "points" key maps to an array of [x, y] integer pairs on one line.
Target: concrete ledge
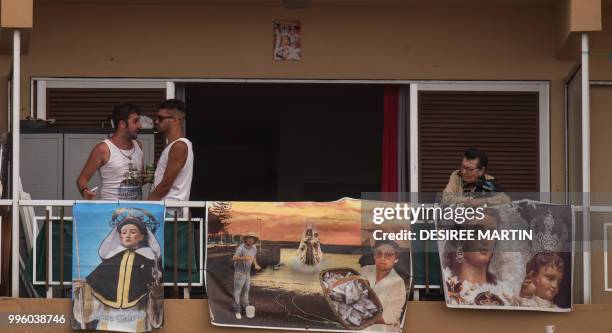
{"points": [[187, 316], [585, 15], [16, 13]]}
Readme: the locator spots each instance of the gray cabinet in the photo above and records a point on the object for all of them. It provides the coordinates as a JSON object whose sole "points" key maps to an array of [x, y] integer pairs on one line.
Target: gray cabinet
{"points": [[77, 148], [41, 165], [51, 162]]}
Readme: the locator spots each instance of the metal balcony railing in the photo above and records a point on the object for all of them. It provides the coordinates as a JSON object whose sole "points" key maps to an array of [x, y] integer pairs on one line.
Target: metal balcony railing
{"points": [[55, 214]]}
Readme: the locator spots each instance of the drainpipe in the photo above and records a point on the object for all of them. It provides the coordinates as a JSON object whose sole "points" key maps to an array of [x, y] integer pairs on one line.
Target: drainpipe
{"points": [[586, 171], [15, 157]]}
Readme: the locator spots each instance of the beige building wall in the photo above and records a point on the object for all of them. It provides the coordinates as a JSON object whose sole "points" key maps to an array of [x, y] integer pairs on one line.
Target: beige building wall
{"points": [[601, 103], [601, 137], [339, 42], [601, 157], [193, 315], [16, 13], [585, 15], [601, 226]]}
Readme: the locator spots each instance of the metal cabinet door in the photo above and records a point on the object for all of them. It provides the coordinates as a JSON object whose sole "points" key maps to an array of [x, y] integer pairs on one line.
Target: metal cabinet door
{"points": [[41, 165], [76, 151]]}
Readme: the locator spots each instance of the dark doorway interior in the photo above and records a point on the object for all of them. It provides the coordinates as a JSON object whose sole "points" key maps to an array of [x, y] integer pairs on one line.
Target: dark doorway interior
{"points": [[284, 142]]}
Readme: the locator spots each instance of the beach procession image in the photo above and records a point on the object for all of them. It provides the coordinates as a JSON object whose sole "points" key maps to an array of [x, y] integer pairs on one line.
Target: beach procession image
{"points": [[303, 265]]}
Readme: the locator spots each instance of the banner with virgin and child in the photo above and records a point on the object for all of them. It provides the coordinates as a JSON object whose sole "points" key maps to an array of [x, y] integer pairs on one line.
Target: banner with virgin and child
{"points": [[500, 271]]}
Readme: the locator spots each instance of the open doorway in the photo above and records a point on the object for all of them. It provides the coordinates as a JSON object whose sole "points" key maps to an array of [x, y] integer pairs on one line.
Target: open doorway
{"points": [[284, 142]]}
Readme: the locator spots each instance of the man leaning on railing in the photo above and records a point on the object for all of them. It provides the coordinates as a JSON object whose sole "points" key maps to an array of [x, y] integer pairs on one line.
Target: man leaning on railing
{"points": [[174, 170], [172, 182], [470, 185]]}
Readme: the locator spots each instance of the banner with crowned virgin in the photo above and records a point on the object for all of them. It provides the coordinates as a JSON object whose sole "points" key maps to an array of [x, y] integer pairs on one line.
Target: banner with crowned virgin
{"points": [[117, 266], [519, 258], [303, 265]]}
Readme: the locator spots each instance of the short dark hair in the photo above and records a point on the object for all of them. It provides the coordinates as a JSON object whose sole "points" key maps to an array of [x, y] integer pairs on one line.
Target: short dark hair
{"points": [[134, 221], [123, 112], [474, 153], [174, 104], [544, 259]]}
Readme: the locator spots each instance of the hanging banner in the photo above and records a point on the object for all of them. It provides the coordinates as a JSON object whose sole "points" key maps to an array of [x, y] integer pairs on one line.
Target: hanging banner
{"points": [[516, 256], [117, 266], [304, 265]]}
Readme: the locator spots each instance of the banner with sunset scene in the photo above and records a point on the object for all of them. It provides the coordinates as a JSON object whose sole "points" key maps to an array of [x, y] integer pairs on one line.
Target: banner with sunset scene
{"points": [[304, 265]]}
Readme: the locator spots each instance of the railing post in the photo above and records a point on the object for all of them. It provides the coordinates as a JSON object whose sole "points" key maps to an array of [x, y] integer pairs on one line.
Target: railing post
{"points": [[15, 155], [426, 266], [48, 250], [175, 228], [586, 173], [189, 250], [61, 273]]}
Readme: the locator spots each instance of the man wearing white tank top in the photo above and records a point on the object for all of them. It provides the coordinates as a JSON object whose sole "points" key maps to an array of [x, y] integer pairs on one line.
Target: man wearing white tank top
{"points": [[172, 181], [119, 159], [174, 170]]}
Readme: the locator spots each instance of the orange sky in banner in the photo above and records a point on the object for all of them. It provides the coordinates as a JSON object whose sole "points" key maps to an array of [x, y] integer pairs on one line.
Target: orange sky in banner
{"points": [[336, 222]]}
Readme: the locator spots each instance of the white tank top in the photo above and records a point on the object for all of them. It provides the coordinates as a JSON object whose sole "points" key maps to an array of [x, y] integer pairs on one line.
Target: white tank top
{"points": [[121, 176], [182, 184]]}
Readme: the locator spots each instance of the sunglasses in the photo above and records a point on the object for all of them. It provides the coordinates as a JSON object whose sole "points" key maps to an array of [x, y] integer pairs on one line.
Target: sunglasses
{"points": [[386, 255], [161, 118], [467, 169]]}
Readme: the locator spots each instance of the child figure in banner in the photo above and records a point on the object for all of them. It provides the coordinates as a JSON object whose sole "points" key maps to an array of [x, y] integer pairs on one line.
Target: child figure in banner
{"points": [[541, 285], [243, 259], [124, 292]]}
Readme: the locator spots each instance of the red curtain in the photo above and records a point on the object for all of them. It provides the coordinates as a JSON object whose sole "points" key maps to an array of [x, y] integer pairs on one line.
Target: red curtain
{"points": [[389, 149]]}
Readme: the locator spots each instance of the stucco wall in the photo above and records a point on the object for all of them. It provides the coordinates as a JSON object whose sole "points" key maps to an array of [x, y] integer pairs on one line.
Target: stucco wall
{"points": [[182, 315], [361, 42]]}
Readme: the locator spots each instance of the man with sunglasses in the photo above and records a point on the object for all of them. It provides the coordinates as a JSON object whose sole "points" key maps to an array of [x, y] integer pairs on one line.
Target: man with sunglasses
{"points": [[470, 185], [387, 284], [172, 181], [174, 170]]}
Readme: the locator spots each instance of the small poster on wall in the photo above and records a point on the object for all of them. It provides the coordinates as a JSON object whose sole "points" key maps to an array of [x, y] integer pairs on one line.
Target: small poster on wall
{"points": [[287, 40]]}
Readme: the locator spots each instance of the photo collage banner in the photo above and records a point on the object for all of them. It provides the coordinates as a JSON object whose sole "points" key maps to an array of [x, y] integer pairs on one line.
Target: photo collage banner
{"points": [[303, 265]]}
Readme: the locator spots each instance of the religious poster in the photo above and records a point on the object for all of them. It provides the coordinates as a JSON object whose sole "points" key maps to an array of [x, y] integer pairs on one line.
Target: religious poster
{"points": [[117, 266], [303, 265], [519, 257], [287, 43]]}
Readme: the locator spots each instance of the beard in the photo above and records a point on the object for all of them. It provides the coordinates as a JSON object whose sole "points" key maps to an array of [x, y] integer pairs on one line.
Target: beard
{"points": [[159, 129], [132, 135]]}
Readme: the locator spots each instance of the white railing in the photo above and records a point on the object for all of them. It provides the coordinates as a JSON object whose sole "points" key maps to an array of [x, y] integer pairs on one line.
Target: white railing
{"points": [[51, 280], [52, 219]]}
